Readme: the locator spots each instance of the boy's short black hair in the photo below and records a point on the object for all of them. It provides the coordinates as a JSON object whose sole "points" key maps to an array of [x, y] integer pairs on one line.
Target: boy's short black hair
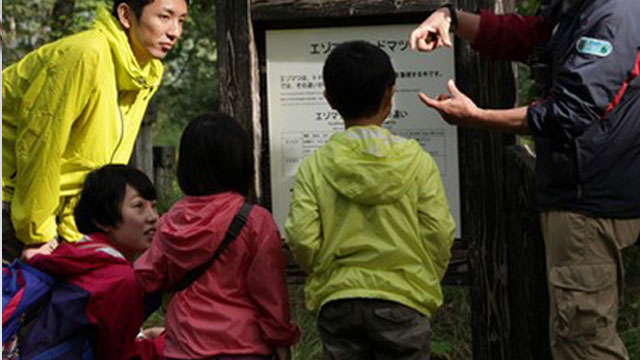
{"points": [[136, 6], [356, 75], [103, 193], [215, 156]]}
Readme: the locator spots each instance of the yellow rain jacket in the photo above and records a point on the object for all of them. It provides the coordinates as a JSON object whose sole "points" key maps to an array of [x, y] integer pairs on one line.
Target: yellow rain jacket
{"points": [[68, 108], [369, 219]]}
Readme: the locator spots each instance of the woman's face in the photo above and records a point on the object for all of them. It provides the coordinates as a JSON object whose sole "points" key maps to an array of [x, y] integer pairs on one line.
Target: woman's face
{"points": [[134, 232]]}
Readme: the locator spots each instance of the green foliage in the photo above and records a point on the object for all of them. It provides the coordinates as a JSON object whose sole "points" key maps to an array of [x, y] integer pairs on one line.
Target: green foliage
{"points": [[67, 21], [527, 7], [629, 320], [30, 24], [451, 325], [528, 90], [310, 346], [168, 197], [23, 28]]}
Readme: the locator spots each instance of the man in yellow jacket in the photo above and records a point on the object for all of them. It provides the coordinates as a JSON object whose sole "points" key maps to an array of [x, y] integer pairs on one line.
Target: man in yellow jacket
{"points": [[73, 106], [369, 221]]}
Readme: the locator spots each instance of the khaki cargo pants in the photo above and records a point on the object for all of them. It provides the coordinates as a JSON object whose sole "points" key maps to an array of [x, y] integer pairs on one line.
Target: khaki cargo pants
{"points": [[584, 265]]}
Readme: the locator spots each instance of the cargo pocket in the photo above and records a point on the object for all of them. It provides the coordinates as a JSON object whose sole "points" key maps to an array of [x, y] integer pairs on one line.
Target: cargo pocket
{"points": [[401, 331], [336, 310], [397, 314], [586, 299]]}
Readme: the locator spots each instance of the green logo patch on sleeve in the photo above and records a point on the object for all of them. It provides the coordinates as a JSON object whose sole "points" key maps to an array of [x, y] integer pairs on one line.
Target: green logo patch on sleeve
{"points": [[591, 46]]}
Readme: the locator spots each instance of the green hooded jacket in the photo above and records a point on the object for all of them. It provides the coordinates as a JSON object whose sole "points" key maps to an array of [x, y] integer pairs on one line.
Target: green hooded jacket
{"points": [[68, 108], [369, 219]]}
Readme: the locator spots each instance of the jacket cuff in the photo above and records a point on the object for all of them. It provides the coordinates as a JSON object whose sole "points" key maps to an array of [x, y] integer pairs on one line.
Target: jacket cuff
{"points": [[537, 115], [278, 334]]}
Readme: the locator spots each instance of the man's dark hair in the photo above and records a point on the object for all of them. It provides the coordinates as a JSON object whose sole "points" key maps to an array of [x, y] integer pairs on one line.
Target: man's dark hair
{"points": [[103, 193], [356, 75], [215, 156], [136, 6]]}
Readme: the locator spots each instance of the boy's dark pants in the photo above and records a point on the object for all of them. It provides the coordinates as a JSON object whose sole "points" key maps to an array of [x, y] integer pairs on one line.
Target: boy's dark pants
{"points": [[353, 329]]}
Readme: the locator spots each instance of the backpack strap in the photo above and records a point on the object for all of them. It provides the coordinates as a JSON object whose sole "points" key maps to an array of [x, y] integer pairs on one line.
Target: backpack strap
{"points": [[232, 233]]}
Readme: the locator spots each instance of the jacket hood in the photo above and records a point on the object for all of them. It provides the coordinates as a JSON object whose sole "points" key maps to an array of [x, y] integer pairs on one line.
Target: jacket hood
{"points": [[129, 74], [195, 226], [72, 259], [369, 165]]}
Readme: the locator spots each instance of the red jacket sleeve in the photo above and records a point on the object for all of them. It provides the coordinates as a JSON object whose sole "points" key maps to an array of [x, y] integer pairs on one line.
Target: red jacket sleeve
{"points": [[267, 285], [511, 36], [151, 349], [118, 311], [151, 268]]}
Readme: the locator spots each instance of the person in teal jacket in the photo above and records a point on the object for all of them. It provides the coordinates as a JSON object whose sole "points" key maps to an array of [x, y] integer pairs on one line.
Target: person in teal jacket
{"points": [[369, 221]]}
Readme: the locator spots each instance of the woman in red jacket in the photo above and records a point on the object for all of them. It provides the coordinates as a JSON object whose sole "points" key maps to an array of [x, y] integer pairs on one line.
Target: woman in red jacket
{"points": [[239, 307], [101, 299]]}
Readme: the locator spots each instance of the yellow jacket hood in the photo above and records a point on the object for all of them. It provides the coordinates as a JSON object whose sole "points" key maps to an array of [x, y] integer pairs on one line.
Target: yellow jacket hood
{"points": [[358, 159], [129, 74]]}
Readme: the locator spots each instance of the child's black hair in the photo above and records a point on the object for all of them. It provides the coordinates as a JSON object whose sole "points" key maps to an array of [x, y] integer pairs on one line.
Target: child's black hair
{"points": [[356, 75], [215, 156], [103, 193]]}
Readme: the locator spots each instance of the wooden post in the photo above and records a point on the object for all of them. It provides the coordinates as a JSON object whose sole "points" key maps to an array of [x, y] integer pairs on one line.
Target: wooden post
{"points": [[490, 84], [527, 273], [164, 160], [142, 157], [238, 71]]}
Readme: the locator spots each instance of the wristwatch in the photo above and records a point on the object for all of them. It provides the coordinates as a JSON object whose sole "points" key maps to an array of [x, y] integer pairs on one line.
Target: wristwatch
{"points": [[453, 14]]}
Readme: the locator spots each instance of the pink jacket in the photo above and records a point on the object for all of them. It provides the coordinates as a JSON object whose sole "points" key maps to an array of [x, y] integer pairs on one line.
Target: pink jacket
{"points": [[240, 305]]}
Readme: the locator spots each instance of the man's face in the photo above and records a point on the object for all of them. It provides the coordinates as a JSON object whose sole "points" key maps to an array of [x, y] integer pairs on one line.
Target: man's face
{"points": [[157, 30]]}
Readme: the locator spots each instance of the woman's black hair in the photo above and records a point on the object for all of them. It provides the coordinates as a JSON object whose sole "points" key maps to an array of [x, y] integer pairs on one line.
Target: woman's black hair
{"points": [[215, 156], [103, 193]]}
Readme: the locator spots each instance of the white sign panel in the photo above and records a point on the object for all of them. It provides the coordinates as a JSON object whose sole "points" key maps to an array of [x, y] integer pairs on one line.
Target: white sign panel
{"points": [[300, 120]]}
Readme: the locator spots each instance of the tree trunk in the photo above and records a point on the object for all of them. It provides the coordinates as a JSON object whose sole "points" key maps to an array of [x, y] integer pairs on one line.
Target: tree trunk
{"points": [[61, 16], [238, 71], [142, 157]]}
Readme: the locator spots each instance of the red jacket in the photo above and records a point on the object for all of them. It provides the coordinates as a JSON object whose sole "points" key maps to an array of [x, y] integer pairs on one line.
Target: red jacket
{"points": [[511, 36], [116, 301], [241, 304]]}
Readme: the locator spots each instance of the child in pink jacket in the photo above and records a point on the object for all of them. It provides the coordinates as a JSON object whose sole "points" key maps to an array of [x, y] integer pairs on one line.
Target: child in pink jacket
{"points": [[239, 307]]}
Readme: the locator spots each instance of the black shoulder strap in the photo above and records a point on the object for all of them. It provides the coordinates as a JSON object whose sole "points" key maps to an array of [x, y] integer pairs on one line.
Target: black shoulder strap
{"points": [[234, 229]]}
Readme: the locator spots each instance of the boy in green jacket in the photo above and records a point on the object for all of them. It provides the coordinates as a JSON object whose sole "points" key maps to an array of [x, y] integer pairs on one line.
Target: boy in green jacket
{"points": [[369, 221]]}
